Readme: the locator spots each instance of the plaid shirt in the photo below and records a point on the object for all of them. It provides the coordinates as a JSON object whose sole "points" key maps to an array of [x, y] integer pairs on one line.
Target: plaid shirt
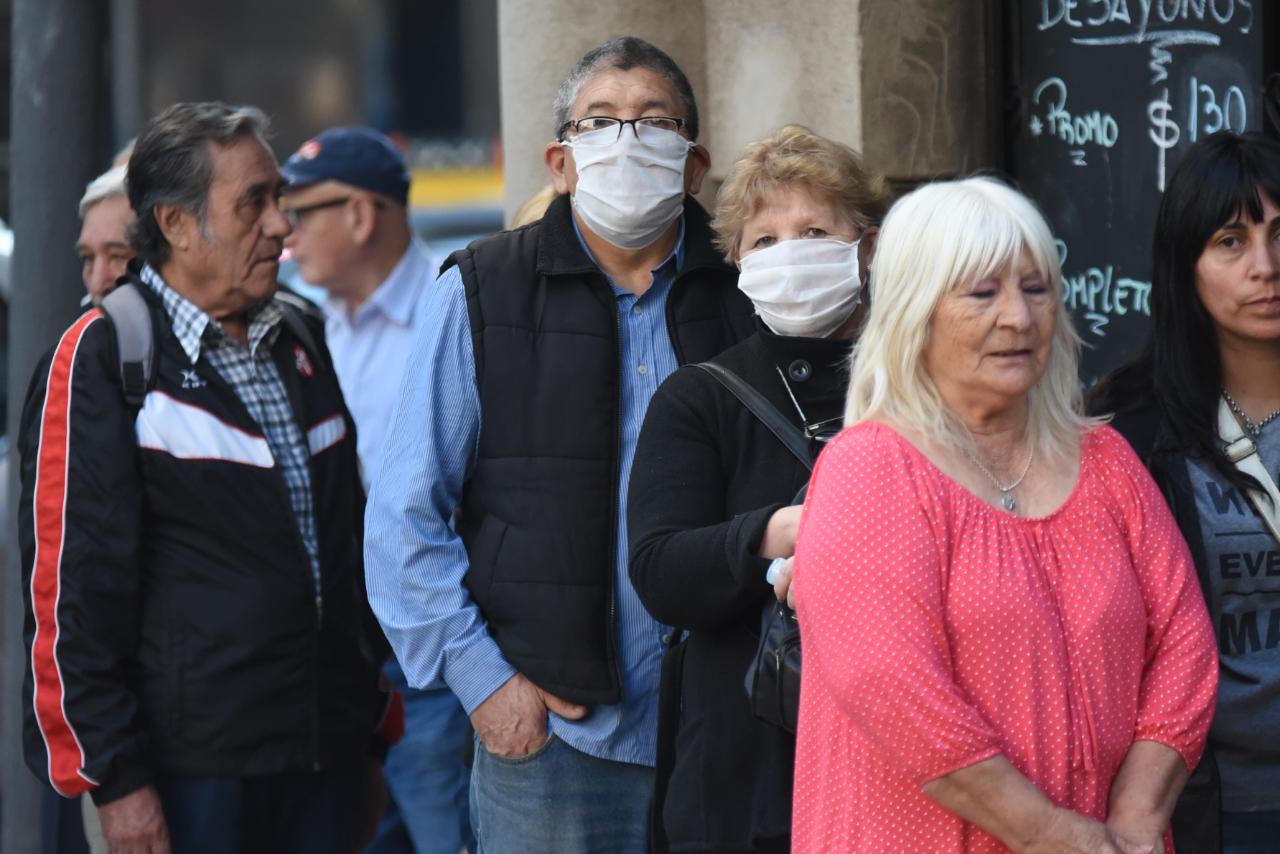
{"points": [[252, 374]]}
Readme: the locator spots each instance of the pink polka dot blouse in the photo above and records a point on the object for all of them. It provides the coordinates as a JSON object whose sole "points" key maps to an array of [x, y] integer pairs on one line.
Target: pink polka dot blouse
{"points": [[939, 631]]}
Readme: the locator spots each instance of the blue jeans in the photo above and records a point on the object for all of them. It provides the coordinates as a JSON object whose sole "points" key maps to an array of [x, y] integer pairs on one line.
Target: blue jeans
{"points": [[559, 800], [427, 776], [302, 813], [1250, 832]]}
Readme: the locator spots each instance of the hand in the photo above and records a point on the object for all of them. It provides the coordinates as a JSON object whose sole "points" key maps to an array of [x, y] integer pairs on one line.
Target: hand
{"points": [[1146, 831], [135, 824], [513, 720], [779, 538], [1069, 832], [782, 583]]}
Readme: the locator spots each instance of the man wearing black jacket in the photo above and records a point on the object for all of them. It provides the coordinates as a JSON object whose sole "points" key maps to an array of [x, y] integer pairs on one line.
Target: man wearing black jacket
{"points": [[201, 655]]}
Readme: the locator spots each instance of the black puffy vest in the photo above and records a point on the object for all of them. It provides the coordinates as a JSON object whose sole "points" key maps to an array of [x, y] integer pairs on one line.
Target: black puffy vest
{"points": [[539, 514]]}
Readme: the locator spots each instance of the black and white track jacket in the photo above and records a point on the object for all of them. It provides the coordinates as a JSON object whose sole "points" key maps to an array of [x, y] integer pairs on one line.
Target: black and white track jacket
{"points": [[172, 622]]}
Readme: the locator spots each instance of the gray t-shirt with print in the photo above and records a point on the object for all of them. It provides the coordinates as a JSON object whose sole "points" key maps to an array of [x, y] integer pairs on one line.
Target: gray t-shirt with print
{"points": [[1243, 562]]}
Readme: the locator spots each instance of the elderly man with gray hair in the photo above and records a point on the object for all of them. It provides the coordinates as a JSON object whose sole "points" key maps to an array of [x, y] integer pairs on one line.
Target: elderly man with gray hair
{"points": [[103, 245], [201, 658], [496, 547]]}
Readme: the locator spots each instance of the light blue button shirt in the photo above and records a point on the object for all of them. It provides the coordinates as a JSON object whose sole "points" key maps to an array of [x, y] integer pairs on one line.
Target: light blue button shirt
{"points": [[371, 347], [415, 561]]}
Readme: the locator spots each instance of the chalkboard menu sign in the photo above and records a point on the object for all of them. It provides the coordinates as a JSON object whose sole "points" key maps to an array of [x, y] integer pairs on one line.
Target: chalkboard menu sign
{"points": [[1108, 95]]}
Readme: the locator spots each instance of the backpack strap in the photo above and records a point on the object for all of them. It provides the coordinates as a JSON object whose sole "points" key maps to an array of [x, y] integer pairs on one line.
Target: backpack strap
{"points": [[297, 326], [758, 405], [131, 318], [297, 309]]}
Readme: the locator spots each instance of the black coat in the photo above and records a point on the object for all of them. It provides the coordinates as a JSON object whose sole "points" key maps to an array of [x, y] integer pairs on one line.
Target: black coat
{"points": [[191, 635], [707, 477]]}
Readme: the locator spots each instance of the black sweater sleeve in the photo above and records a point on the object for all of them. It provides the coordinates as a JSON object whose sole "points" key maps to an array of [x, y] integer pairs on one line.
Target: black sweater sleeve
{"points": [[691, 565]]}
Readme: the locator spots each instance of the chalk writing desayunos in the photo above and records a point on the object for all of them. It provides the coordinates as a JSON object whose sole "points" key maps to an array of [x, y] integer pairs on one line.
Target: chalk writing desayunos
{"points": [[1204, 14], [1094, 127], [1081, 14], [1097, 294]]}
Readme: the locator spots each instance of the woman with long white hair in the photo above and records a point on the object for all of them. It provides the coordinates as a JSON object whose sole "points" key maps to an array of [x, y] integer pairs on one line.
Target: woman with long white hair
{"points": [[1005, 646]]}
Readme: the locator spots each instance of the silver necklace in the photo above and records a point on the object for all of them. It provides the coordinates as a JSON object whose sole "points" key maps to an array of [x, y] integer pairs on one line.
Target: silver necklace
{"points": [[1253, 428], [1007, 501]]}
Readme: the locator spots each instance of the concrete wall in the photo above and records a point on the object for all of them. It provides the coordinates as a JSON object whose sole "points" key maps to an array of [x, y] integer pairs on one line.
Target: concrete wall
{"points": [[771, 64], [930, 97], [907, 82]]}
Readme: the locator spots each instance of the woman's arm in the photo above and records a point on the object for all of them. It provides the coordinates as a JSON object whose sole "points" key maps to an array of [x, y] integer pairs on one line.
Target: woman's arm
{"points": [[1144, 792], [996, 797], [1180, 673], [690, 565]]}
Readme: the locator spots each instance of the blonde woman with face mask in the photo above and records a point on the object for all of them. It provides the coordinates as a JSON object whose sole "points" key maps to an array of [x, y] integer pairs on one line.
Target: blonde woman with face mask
{"points": [[711, 486]]}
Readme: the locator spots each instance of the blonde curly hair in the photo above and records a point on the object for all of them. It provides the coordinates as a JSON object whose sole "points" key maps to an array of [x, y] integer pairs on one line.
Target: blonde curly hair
{"points": [[796, 156]]}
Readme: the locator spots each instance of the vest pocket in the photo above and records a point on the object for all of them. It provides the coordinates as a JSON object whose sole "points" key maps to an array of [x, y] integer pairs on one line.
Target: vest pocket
{"points": [[485, 551]]}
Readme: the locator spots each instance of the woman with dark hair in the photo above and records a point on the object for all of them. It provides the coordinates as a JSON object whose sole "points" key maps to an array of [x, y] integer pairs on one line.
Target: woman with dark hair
{"points": [[1207, 378]]}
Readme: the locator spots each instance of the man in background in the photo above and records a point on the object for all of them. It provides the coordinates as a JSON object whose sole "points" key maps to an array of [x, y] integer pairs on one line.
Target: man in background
{"points": [[103, 245], [346, 200]]}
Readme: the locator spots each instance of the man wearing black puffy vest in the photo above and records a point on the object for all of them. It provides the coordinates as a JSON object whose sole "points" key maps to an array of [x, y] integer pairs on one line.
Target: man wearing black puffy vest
{"points": [[496, 553]]}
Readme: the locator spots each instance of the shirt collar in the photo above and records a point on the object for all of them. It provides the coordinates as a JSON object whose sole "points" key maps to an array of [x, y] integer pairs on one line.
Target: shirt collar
{"points": [[676, 257], [396, 297], [191, 325]]}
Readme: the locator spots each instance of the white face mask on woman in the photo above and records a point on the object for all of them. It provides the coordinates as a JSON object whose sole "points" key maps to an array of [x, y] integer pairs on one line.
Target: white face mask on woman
{"points": [[630, 185], [806, 287]]}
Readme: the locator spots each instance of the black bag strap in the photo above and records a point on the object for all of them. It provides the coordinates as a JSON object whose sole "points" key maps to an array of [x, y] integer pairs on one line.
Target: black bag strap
{"points": [[130, 316], [791, 436]]}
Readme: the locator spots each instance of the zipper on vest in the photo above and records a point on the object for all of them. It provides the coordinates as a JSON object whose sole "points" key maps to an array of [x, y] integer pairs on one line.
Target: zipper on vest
{"points": [[617, 485]]}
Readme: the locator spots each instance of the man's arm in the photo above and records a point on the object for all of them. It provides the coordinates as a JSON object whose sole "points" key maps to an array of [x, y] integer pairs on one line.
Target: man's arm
{"points": [[414, 560], [79, 520]]}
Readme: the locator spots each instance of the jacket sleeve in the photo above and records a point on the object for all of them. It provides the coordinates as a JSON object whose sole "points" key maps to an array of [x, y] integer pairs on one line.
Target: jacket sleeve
{"points": [[690, 565], [79, 516]]}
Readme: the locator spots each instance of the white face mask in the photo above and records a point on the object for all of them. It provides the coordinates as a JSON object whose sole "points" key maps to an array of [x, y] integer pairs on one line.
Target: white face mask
{"points": [[631, 189], [805, 287]]}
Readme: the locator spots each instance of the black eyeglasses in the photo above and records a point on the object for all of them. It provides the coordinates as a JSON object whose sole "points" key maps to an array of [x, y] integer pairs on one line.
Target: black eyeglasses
{"points": [[590, 123], [295, 215]]}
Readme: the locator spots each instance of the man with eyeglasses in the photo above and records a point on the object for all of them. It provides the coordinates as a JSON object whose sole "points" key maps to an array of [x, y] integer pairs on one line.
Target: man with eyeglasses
{"points": [[496, 547], [347, 201]]}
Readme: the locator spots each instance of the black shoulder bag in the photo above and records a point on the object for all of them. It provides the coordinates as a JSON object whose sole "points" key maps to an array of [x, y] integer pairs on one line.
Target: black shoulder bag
{"points": [[773, 678]]}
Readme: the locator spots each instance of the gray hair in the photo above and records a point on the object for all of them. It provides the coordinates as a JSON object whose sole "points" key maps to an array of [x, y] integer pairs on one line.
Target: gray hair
{"points": [[623, 53], [105, 186], [935, 238], [172, 164]]}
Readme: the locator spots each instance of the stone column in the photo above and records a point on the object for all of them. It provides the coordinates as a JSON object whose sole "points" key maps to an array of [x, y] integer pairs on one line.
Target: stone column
{"points": [[58, 143], [912, 84], [771, 64]]}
